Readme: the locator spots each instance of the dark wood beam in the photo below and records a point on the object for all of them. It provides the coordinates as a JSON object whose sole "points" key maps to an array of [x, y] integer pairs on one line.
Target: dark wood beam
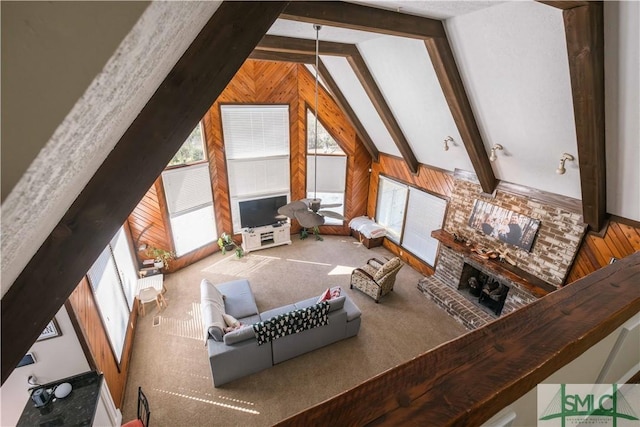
{"points": [[446, 69], [564, 5], [445, 387], [344, 105], [356, 17], [303, 46], [130, 169], [584, 29], [275, 56], [359, 67]]}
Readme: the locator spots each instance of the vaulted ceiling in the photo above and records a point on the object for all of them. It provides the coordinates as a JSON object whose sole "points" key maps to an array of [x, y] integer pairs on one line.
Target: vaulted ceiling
{"points": [[526, 75]]}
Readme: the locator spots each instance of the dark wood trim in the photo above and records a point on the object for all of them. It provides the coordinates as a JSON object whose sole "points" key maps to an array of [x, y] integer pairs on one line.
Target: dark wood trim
{"points": [[584, 29], [369, 85], [303, 46], [196, 80], [525, 347], [557, 200], [77, 328], [266, 55], [625, 221], [564, 5], [356, 17], [344, 105], [446, 69]]}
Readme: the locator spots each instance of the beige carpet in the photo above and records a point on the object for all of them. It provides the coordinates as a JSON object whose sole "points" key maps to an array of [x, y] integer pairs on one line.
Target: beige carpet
{"points": [[170, 360]]}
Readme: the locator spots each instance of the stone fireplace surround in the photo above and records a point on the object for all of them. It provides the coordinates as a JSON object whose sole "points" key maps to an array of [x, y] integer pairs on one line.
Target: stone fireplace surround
{"points": [[449, 278], [538, 272]]}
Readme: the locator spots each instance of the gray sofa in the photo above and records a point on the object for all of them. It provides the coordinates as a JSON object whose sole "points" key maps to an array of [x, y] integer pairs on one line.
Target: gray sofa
{"points": [[236, 354]]}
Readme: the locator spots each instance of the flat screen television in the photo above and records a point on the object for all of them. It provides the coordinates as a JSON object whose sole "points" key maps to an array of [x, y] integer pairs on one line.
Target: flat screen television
{"points": [[260, 212]]}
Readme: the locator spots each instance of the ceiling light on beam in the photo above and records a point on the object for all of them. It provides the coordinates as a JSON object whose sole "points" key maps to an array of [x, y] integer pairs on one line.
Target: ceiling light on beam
{"points": [[448, 140], [561, 169], [495, 148]]}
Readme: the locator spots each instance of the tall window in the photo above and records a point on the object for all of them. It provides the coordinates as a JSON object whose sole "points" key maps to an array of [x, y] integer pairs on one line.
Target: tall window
{"points": [[256, 141], [189, 198], [390, 207], [331, 171], [113, 279], [410, 215]]}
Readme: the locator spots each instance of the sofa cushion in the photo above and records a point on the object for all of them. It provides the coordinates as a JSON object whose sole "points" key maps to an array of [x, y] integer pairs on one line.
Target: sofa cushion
{"points": [[244, 333], [239, 299], [334, 304], [353, 312], [276, 311], [212, 308]]}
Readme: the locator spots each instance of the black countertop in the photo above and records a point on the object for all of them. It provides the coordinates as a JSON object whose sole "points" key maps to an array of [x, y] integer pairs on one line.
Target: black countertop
{"points": [[77, 409]]}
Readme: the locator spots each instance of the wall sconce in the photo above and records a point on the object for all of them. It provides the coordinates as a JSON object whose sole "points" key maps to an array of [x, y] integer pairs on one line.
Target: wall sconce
{"points": [[447, 140], [565, 156], [493, 156]]}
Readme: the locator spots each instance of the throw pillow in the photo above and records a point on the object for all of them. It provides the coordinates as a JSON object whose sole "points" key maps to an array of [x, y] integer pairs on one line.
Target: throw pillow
{"points": [[325, 296], [335, 292], [231, 321]]}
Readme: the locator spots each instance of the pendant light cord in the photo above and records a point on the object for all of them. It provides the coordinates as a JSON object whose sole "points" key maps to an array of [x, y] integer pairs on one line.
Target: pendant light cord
{"points": [[315, 157]]}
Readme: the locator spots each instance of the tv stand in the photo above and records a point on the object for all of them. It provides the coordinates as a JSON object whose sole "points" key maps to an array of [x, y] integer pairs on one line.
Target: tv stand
{"points": [[265, 237]]}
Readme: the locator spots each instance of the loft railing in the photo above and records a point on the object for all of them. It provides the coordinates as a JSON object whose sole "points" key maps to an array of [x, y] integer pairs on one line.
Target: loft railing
{"points": [[468, 380]]}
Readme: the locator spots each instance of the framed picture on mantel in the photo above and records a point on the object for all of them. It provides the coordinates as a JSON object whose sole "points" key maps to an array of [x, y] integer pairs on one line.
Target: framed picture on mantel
{"points": [[503, 224]]}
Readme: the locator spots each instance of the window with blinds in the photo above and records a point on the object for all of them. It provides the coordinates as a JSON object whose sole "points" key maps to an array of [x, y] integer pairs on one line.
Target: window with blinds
{"points": [[390, 207], [256, 141], [331, 182], [112, 278], [425, 213], [190, 205]]}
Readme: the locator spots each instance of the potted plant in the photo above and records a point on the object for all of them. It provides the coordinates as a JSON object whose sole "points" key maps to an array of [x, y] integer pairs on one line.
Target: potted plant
{"points": [[160, 256], [226, 243]]}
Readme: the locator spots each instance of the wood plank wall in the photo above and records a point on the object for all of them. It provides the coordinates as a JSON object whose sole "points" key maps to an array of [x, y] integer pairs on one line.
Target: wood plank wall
{"points": [[434, 181], [88, 320], [621, 239]]}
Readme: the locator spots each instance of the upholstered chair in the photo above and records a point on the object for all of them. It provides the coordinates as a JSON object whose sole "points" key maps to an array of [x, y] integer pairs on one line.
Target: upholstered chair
{"points": [[376, 278]]}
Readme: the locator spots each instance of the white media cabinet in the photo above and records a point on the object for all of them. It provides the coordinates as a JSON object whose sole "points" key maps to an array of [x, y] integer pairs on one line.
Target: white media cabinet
{"points": [[265, 237]]}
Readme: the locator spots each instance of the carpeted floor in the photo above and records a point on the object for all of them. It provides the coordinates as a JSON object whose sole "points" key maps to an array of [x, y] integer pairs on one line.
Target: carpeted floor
{"points": [[170, 359]]}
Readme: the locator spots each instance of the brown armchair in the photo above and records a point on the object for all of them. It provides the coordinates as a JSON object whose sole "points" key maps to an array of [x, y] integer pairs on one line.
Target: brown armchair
{"points": [[376, 278]]}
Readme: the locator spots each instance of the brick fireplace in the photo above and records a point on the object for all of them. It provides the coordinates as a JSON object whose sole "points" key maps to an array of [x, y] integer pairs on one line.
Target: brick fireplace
{"points": [[533, 275]]}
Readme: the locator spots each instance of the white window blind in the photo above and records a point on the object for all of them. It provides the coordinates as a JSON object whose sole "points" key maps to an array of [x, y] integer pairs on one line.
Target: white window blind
{"points": [[126, 268], [390, 207], [256, 141], [187, 188], [252, 131], [332, 173], [107, 291], [425, 213]]}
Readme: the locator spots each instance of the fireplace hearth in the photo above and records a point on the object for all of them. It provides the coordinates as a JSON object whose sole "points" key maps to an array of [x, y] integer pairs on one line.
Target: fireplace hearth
{"points": [[475, 290]]}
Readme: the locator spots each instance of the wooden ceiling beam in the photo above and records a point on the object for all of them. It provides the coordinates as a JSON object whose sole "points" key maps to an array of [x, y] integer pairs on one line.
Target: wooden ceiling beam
{"points": [[564, 5], [370, 86], [584, 29], [162, 126], [446, 69], [344, 105], [363, 18], [303, 46], [277, 56]]}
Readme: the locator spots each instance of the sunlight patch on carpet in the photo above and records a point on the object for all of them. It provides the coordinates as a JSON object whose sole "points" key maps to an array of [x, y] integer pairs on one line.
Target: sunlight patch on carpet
{"points": [[190, 328], [341, 269], [240, 267], [308, 262], [211, 402]]}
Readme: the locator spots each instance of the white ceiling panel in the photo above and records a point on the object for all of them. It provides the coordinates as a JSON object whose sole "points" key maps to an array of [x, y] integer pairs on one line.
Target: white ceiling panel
{"points": [[405, 75], [304, 30], [513, 60], [431, 9], [359, 101]]}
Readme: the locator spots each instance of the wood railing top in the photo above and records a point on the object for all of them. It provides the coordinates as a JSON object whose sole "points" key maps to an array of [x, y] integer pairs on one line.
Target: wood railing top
{"points": [[533, 284], [468, 380]]}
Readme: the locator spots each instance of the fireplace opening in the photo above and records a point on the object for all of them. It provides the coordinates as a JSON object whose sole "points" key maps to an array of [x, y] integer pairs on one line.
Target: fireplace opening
{"points": [[482, 289]]}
